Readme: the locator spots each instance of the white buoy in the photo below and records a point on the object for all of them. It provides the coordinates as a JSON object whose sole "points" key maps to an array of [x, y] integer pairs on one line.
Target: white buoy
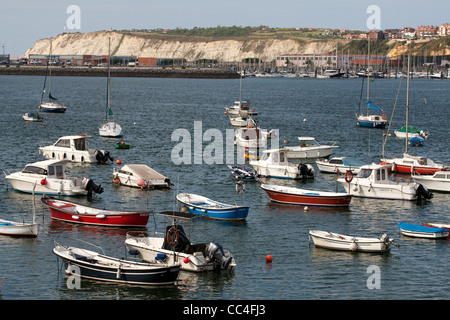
{"points": [[305, 208]]}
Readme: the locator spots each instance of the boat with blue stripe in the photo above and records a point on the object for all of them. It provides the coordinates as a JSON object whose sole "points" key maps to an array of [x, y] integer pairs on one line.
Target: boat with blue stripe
{"points": [[208, 208], [420, 231]]}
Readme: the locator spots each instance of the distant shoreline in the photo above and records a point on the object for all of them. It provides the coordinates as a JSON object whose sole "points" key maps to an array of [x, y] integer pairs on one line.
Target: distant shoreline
{"points": [[147, 72]]}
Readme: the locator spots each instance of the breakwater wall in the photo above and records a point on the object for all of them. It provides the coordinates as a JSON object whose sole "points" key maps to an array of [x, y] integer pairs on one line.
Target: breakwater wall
{"points": [[154, 72]]}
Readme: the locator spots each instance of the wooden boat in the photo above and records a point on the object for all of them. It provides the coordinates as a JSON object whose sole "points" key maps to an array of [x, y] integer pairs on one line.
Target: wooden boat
{"points": [[274, 164], [439, 181], [77, 213], [309, 148], [208, 208], [110, 128], [330, 240], [140, 176], [49, 177], [373, 181], [290, 195], [418, 231], [74, 148], [339, 165], [93, 265], [174, 246]]}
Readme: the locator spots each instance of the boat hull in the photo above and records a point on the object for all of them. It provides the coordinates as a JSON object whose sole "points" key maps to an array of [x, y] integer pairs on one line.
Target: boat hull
{"points": [[417, 231], [52, 187], [334, 241], [364, 189], [211, 209], [52, 108], [303, 197], [71, 212], [308, 153], [86, 268], [16, 229], [434, 184], [110, 129]]}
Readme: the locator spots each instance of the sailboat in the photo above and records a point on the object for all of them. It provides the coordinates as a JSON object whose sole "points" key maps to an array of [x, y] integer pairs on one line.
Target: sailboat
{"points": [[109, 128], [52, 104], [370, 120], [412, 164]]}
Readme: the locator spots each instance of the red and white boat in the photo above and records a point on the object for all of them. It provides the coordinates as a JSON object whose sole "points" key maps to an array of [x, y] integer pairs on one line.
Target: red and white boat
{"points": [[76, 213], [412, 164], [291, 195], [437, 225]]}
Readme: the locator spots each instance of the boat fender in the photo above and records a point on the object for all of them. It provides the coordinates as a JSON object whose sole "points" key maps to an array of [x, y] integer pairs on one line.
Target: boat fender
{"points": [[118, 274], [353, 246], [172, 236], [44, 182], [348, 176]]}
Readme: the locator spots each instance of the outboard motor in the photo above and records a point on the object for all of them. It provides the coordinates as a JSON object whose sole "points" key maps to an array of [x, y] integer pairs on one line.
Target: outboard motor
{"points": [[102, 157], [217, 255], [90, 186], [306, 171], [421, 191]]}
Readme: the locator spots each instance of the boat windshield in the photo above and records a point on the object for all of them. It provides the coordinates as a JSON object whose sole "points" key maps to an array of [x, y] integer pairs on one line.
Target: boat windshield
{"points": [[80, 144], [63, 143], [35, 170], [57, 171], [364, 173]]}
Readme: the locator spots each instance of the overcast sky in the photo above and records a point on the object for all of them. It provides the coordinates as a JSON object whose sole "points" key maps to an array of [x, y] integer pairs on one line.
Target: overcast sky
{"points": [[23, 22]]}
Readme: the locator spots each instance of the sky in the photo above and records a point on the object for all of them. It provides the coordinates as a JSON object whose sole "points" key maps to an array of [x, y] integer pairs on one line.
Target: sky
{"points": [[23, 22]]}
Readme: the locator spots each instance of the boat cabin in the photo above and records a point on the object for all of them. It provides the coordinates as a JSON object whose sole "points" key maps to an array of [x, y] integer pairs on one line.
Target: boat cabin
{"points": [[275, 156], [50, 168], [308, 142], [73, 142], [375, 173]]}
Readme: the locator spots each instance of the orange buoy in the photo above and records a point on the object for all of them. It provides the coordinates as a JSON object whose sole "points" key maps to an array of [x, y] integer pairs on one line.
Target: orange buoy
{"points": [[118, 161], [268, 258]]}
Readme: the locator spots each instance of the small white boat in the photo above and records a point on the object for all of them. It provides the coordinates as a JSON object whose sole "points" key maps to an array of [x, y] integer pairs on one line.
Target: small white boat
{"points": [[32, 117], [110, 128], [339, 164], [74, 148], [412, 132], [440, 181], [330, 240], [252, 137], [49, 177], [174, 246], [310, 148], [418, 231], [437, 225], [414, 164], [237, 121], [274, 164], [373, 181], [140, 176], [241, 108]]}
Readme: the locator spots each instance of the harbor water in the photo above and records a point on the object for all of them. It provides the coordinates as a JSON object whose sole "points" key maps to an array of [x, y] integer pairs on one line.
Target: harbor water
{"points": [[150, 110]]}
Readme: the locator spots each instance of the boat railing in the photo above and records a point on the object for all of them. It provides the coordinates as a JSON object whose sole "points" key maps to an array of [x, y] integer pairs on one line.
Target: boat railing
{"points": [[85, 242], [142, 236]]}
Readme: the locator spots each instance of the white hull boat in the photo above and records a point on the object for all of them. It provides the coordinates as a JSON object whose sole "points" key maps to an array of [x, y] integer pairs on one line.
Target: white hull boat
{"points": [[339, 164], [74, 148], [334, 241], [175, 247], [310, 148], [18, 229], [49, 177], [417, 231], [440, 181], [373, 182], [240, 108], [140, 176], [274, 164], [252, 138], [32, 117]]}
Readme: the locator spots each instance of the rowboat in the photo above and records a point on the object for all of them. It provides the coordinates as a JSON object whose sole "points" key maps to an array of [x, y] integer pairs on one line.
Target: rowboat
{"points": [[18, 229], [174, 246], [208, 208], [437, 225], [339, 164], [93, 265], [419, 231], [77, 213], [330, 240], [290, 195], [243, 173]]}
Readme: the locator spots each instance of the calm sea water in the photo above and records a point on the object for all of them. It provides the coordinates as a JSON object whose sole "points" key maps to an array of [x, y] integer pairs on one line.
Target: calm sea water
{"points": [[150, 110]]}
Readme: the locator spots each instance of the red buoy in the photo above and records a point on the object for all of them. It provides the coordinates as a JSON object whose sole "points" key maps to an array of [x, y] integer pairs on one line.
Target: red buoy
{"points": [[268, 258]]}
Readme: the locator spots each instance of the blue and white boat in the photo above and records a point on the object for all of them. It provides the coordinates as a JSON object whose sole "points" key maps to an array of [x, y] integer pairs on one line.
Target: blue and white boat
{"points": [[419, 231], [205, 207], [416, 141]]}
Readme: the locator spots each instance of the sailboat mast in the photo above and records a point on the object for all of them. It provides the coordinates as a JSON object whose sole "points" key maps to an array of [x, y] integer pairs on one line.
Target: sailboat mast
{"points": [[50, 71], [407, 104], [109, 81], [368, 73]]}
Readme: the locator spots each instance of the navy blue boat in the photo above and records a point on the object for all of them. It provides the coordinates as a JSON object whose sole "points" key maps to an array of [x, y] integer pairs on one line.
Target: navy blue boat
{"points": [[92, 265]]}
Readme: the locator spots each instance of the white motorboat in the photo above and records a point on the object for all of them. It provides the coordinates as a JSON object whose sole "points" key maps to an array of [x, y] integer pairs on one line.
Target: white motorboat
{"points": [[412, 132], [110, 128], [310, 148], [252, 137], [32, 117], [49, 177], [330, 240], [241, 108], [373, 181], [440, 181], [339, 164], [274, 164], [74, 148], [140, 176], [174, 246]]}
